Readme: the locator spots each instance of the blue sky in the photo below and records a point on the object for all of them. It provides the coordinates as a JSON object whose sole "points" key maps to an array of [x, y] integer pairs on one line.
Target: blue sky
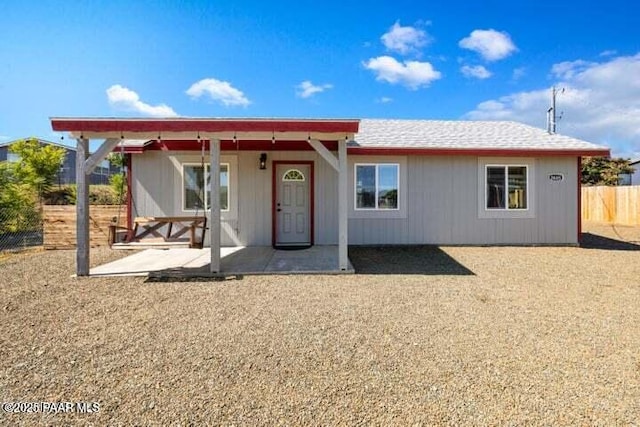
{"points": [[402, 59]]}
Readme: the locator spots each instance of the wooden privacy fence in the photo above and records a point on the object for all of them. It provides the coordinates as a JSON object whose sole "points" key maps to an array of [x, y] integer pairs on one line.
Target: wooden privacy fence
{"points": [[60, 225], [611, 205]]}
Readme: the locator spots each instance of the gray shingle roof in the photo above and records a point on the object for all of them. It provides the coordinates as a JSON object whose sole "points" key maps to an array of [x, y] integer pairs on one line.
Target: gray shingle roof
{"points": [[441, 134]]}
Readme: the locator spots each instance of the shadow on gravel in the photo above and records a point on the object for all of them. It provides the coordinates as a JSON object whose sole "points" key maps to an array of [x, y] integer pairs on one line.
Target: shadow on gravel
{"points": [[422, 259], [594, 241], [182, 276]]}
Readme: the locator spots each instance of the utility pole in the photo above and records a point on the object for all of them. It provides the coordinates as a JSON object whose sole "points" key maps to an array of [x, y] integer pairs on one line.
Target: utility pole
{"points": [[552, 116]]}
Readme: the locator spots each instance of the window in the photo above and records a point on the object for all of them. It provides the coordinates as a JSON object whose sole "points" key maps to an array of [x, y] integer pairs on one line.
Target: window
{"points": [[377, 186], [506, 187], [293, 175], [195, 194]]}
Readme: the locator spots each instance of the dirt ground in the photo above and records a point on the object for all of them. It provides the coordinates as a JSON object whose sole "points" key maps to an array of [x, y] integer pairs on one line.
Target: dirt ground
{"points": [[450, 335]]}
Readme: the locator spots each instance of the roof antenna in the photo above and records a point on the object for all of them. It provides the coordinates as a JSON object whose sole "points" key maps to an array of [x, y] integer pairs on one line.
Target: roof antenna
{"points": [[552, 117]]}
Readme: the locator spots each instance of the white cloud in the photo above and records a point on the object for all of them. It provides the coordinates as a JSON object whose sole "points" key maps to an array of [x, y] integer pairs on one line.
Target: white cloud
{"points": [[125, 99], [568, 69], [601, 103], [518, 73], [219, 91], [477, 71], [306, 89], [413, 74], [609, 52], [492, 45], [384, 100], [404, 40]]}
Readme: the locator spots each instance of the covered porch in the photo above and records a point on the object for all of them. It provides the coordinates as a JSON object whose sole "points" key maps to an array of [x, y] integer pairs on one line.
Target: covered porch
{"points": [[328, 139], [234, 261]]}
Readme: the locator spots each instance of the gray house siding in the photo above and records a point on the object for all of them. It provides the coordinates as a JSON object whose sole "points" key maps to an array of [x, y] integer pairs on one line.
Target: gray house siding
{"points": [[443, 202], [439, 200], [157, 190]]}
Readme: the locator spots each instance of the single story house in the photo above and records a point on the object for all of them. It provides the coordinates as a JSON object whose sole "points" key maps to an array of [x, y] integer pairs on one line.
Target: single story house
{"points": [[342, 182], [67, 172]]}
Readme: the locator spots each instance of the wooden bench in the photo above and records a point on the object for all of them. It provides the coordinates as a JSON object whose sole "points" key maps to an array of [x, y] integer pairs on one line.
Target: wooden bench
{"points": [[160, 232]]}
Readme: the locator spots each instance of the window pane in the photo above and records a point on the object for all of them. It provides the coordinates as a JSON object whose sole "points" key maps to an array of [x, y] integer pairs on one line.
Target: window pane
{"points": [[495, 187], [387, 186], [193, 187], [366, 187], [517, 187], [293, 175], [224, 186]]}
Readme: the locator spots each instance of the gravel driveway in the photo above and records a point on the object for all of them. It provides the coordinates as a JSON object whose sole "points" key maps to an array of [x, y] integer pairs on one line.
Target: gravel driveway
{"points": [[469, 335]]}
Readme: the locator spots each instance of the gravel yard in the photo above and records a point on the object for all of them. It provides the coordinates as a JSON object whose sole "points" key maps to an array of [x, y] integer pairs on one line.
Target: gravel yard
{"points": [[467, 335]]}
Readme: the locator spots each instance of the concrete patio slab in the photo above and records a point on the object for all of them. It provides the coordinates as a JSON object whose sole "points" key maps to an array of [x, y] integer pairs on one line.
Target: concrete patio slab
{"points": [[183, 262]]}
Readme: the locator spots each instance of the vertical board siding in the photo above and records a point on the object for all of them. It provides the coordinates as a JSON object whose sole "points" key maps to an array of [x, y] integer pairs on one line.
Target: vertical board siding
{"points": [[441, 194], [250, 223], [611, 205]]}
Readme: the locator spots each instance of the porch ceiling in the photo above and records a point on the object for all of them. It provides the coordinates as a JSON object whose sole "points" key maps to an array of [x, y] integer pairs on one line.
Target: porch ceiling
{"points": [[256, 129]]}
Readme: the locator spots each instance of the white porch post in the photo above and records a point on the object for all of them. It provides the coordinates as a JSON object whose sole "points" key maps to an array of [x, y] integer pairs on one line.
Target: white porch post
{"points": [[343, 223], [82, 208], [214, 202]]}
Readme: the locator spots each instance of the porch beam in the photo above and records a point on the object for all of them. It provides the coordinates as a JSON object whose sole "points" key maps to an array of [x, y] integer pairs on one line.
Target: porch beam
{"points": [[325, 153], [302, 137], [343, 223], [101, 153], [214, 202], [82, 208]]}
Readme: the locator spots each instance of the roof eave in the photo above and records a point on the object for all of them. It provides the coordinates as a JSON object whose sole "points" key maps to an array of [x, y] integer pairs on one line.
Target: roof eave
{"points": [[507, 152]]}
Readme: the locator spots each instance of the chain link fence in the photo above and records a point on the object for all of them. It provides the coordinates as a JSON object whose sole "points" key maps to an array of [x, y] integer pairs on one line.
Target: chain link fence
{"points": [[20, 228]]}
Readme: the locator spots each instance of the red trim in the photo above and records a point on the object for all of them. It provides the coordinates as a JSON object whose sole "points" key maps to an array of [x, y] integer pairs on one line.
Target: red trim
{"points": [[273, 204], [203, 125], [252, 145], [472, 152], [579, 200], [274, 183], [129, 193], [242, 145]]}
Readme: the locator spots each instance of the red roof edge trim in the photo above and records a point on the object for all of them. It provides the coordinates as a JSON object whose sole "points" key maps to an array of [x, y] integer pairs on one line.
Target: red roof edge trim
{"points": [[204, 125]]}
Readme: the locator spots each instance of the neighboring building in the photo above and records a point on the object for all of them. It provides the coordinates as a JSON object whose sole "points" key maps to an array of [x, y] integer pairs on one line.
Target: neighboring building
{"points": [[630, 178], [350, 182], [635, 176], [67, 172]]}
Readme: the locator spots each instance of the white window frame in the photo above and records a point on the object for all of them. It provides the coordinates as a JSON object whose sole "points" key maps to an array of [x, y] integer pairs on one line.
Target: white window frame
{"points": [[355, 187], [498, 213], [207, 166], [506, 187]]}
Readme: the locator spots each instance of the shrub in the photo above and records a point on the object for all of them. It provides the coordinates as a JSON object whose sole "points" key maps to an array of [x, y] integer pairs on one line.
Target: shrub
{"points": [[102, 195], [98, 195], [118, 186]]}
